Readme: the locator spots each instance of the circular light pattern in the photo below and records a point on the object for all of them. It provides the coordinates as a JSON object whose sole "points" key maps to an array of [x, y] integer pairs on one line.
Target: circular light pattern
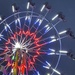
{"points": [[27, 41]]}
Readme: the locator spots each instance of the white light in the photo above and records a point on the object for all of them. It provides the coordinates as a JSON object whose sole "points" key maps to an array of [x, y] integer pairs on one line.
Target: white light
{"points": [[47, 67], [0, 18], [56, 71], [62, 32], [13, 8], [40, 21], [37, 21], [28, 18], [12, 71], [42, 8], [52, 37], [1, 35], [48, 64], [51, 53], [38, 73], [53, 40], [48, 74], [17, 45], [46, 26], [63, 51], [18, 19], [52, 50], [28, 5], [55, 17], [26, 51], [5, 27]]}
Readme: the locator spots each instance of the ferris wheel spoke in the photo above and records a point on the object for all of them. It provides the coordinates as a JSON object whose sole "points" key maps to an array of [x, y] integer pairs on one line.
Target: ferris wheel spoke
{"points": [[31, 16], [3, 48], [47, 31], [24, 39], [25, 22], [9, 31], [26, 42], [17, 21], [40, 21], [11, 36], [51, 28], [39, 31], [37, 59], [46, 14], [7, 40], [4, 53], [53, 40]]}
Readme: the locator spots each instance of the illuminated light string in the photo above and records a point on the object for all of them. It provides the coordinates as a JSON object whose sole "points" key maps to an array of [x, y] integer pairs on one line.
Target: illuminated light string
{"points": [[54, 38], [49, 28], [46, 27], [24, 47], [15, 62], [6, 27], [39, 21], [39, 24], [50, 37], [29, 17], [17, 45]]}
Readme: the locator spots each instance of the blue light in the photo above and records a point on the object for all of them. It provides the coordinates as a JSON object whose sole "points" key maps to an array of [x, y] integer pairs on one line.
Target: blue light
{"points": [[28, 18], [6, 27], [38, 73], [36, 21], [40, 21], [48, 63], [1, 36], [0, 39], [16, 22]]}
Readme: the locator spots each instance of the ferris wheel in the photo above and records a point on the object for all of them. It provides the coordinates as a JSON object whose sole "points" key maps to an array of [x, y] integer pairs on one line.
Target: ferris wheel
{"points": [[29, 43]]}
